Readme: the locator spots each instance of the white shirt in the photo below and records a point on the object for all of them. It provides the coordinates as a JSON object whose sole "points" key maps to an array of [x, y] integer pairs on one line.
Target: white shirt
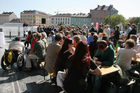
{"points": [[83, 38], [18, 45], [107, 31], [124, 58]]}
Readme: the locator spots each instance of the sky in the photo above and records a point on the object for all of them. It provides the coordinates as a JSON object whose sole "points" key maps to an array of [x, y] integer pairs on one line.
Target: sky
{"points": [[127, 8]]}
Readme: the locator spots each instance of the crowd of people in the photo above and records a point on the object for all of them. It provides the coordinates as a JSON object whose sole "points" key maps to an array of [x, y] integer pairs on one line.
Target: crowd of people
{"points": [[79, 51]]}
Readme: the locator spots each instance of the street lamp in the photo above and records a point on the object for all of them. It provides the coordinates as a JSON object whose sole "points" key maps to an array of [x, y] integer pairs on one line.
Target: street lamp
{"points": [[138, 27], [110, 8]]}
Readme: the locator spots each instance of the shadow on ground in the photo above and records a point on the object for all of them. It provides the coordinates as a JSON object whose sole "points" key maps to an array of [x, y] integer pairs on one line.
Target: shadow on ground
{"points": [[14, 75], [43, 87]]}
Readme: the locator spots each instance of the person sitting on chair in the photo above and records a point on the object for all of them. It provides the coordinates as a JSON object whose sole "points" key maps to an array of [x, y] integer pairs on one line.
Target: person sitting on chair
{"points": [[105, 54], [124, 56], [37, 52], [17, 46], [52, 53]]}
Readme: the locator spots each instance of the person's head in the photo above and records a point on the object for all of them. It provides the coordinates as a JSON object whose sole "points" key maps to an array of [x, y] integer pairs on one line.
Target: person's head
{"points": [[34, 34], [66, 33], [128, 25], [17, 39], [116, 27], [81, 48], [133, 37], [43, 35], [92, 33], [39, 36], [59, 38], [76, 40], [29, 33], [84, 33], [67, 44], [100, 26], [81, 56], [129, 43], [107, 26], [51, 33], [84, 26], [102, 45], [62, 32], [95, 37], [92, 26], [133, 26]]}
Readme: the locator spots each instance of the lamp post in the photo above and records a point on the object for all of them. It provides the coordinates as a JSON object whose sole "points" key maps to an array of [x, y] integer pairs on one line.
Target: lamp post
{"points": [[110, 8], [138, 27]]}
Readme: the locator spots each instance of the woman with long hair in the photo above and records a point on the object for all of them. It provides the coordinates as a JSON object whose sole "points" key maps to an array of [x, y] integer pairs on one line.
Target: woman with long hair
{"points": [[64, 55], [75, 81]]}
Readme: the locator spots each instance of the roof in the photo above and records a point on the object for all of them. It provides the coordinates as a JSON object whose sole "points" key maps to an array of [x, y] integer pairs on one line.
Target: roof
{"points": [[62, 15], [9, 13], [71, 15], [104, 7], [34, 12], [6, 13], [80, 15]]}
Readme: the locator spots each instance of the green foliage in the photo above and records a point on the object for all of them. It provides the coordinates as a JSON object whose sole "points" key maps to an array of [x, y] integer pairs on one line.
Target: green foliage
{"points": [[59, 24], [135, 20], [115, 20]]}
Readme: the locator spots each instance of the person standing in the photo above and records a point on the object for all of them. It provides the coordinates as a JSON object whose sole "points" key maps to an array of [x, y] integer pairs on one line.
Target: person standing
{"points": [[92, 29], [107, 31], [133, 31], [116, 35], [128, 30], [100, 30]]}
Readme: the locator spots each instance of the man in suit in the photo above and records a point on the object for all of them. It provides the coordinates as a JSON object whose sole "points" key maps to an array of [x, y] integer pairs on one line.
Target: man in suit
{"points": [[52, 52]]}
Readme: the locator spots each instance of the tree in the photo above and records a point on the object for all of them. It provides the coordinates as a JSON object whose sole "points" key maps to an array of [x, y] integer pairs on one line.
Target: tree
{"points": [[115, 20], [59, 24]]}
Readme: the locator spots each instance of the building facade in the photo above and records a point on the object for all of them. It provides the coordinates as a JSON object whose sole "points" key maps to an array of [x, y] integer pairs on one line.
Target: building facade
{"points": [[6, 17], [61, 19], [99, 14], [80, 20], [71, 19], [35, 18]]}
